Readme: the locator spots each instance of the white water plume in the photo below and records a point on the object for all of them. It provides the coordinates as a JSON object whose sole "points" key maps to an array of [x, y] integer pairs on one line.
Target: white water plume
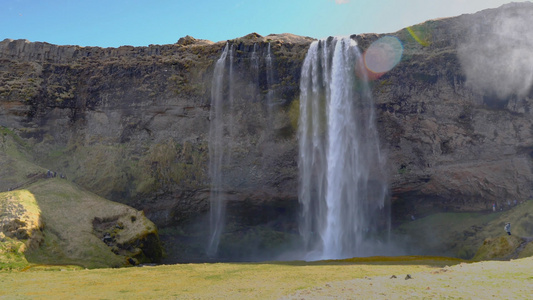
{"points": [[342, 187], [497, 55]]}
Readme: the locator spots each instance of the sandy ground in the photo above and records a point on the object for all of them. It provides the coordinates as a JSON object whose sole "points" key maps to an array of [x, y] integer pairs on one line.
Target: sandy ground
{"points": [[487, 280]]}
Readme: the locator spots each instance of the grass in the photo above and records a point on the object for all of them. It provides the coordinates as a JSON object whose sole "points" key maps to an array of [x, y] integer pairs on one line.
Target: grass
{"points": [[275, 280], [498, 248], [462, 234], [68, 213]]}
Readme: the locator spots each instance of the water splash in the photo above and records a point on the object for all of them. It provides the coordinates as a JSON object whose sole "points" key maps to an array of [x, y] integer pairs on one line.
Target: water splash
{"points": [[342, 187]]}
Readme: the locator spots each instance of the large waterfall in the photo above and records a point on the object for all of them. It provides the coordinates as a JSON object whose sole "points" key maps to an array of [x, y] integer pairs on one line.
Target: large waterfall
{"points": [[342, 187]]}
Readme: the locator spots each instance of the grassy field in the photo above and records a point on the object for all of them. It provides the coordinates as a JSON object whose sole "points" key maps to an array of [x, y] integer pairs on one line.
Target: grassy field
{"points": [[364, 278]]}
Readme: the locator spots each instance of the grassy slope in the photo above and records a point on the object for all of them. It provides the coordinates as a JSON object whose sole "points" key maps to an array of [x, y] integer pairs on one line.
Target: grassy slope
{"points": [[461, 234], [343, 279], [67, 212]]}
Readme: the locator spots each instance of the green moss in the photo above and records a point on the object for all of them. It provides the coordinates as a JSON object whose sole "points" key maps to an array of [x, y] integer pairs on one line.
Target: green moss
{"points": [[462, 234], [20, 205], [527, 252], [19, 142], [294, 113], [11, 258], [498, 248], [172, 164]]}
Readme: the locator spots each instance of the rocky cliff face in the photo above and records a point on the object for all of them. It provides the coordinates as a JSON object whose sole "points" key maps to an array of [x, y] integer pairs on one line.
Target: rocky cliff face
{"points": [[132, 124], [452, 143]]}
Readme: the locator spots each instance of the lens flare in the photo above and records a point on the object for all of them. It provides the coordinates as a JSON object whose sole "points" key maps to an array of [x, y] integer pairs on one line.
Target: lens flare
{"points": [[383, 55]]}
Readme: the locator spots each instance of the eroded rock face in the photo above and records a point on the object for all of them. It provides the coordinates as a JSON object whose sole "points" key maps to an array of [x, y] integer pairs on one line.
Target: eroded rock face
{"points": [[451, 145], [132, 124]]}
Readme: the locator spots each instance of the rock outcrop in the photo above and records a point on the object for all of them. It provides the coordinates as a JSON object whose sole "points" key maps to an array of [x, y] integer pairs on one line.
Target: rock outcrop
{"points": [[20, 228], [52, 222], [46, 219], [132, 123]]}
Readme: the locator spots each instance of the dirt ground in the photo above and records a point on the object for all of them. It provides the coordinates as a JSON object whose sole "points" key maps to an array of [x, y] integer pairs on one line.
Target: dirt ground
{"points": [[484, 280]]}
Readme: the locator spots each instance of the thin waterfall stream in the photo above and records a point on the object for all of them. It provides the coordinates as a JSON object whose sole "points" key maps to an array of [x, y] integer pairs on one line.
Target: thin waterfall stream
{"points": [[219, 156], [231, 91]]}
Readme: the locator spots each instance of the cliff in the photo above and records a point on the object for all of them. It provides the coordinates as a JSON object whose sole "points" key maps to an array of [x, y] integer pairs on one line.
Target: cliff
{"points": [[455, 114], [132, 124], [45, 219]]}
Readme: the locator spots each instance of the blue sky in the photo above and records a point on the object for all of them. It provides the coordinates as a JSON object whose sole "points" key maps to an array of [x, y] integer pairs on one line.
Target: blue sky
{"points": [[112, 23]]}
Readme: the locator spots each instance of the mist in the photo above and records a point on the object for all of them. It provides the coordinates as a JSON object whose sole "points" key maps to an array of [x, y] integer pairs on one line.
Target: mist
{"points": [[497, 54]]}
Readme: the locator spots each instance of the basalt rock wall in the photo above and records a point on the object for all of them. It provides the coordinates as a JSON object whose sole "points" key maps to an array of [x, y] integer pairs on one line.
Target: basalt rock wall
{"points": [[132, 123]]}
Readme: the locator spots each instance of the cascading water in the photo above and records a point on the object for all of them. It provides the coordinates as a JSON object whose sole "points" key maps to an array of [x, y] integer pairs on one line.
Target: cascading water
{"points": [[255, 62], [342, 187], [218, 156], [270, 79], [232, 89]]}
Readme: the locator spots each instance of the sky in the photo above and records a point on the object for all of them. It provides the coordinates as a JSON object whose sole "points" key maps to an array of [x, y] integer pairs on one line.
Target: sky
{"points": [[113, 23]]}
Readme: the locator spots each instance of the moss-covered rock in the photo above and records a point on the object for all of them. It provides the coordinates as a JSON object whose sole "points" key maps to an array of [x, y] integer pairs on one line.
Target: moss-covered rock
{"points": [[46, 219], [503, 247], [85, 229], [20, 228]]}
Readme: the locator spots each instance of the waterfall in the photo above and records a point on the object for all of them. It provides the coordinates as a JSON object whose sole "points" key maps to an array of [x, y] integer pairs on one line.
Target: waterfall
{"points": [[270, 78], [255, 62], [218, 156], [235, 86], [342, 188]]}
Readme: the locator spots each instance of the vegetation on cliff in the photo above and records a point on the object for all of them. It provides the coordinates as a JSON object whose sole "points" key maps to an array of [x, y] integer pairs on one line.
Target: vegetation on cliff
{"points": [[477, 236], [46, 219]]}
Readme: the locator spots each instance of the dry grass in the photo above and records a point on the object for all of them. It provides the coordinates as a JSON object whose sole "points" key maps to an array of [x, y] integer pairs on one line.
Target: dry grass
{"points": [[349, 279]]}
